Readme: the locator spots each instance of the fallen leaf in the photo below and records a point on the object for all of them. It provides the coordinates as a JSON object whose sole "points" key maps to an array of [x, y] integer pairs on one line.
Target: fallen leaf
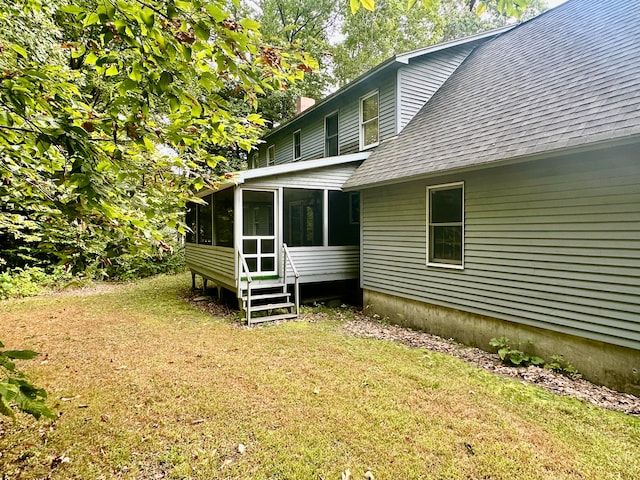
{"points": [[316, 391], [346, 475], [369, 475], [241, 449]]}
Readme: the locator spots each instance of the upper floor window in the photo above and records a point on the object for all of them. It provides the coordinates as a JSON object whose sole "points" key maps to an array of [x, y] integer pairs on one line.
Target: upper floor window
{"points": [[253, 161], [271, 155], [445, 231], [331, 135], [369, 134], [297, 151]]}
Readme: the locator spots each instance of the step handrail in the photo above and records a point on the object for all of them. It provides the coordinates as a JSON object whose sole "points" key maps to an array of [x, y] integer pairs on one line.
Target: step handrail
{"points": [[244, 268], [296, 275]]}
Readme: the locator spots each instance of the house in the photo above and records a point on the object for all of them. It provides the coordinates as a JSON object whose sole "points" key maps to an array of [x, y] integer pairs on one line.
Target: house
{"points": [[510, 204], [288, 222]]}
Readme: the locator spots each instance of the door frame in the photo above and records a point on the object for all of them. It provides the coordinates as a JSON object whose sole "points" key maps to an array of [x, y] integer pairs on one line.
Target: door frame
{"points": [[259, 275]]}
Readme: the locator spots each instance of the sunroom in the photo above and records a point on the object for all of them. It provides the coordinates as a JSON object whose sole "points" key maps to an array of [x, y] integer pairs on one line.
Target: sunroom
{"points": [[274, 228]]}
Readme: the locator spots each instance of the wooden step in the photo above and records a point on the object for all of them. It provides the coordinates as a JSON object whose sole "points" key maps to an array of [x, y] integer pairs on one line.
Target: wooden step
{"points": [[271, 306], [266, 296], [272, 318], [264, 286]]}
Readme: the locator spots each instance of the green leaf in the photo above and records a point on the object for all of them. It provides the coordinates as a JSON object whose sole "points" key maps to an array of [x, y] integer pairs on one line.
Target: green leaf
{"points": [[111, 71], [165, 79], [91, 59], [250, 24], [202, 31], [217, 13], [196, 110], [148, 17], [135, 74], [18, 49], [20, 354], [91, 19], [5, 408], [368, 4]]}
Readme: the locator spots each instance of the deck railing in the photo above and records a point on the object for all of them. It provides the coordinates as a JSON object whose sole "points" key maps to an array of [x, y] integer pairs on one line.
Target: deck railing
{"points": [[286, 258], [244, 270]]}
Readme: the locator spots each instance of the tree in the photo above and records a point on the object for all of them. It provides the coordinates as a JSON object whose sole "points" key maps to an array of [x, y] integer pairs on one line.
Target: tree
{"points": [[372, 36], [306, 25], [84, 113]]}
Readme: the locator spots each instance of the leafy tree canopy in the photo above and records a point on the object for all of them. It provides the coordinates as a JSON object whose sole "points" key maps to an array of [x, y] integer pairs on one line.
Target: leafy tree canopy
{"points": [[110, 109]]}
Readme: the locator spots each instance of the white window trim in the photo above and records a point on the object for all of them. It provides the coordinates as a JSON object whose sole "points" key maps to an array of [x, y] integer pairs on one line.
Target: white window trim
{"points": [[271, 160], [361, 124], [445, 186], [255, 158], [299, 132], [325, 130]]}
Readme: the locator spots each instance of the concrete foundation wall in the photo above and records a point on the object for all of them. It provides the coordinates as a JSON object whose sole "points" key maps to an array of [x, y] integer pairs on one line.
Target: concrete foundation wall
{"points": [[602, 363]]}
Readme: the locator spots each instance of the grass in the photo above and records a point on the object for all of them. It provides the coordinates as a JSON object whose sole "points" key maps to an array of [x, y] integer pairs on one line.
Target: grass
{"points": [[149, 387]]}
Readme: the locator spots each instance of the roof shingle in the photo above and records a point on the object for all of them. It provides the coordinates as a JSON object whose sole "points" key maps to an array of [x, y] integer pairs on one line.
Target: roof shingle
{"points": [[567, 78]]}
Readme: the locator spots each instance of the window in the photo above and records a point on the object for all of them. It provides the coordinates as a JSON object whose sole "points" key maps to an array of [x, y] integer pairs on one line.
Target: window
{"points": [[253, 163], [191, 222], [331, 135], [297, 152], [271, 155], [445, 233], [223, 217], [369, 121], [342, 229], [354, 207], [303, 217], [205, 230], [211, 224]]}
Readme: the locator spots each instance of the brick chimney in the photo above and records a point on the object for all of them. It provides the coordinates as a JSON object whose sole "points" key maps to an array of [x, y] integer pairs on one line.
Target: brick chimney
{"points": [[302, 103]]}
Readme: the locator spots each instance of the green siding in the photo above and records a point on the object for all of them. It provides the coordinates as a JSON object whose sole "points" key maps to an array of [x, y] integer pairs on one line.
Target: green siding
{"points": [[348, 108], [215, 263], [420, 79], [552, 244]]}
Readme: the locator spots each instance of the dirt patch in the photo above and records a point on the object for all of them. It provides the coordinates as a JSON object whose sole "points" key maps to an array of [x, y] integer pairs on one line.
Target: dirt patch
{"points": [[94, 288], [552, 381]]}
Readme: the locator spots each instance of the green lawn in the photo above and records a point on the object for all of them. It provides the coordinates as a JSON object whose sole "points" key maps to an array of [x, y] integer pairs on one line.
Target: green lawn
{"points": [[148, 387]]}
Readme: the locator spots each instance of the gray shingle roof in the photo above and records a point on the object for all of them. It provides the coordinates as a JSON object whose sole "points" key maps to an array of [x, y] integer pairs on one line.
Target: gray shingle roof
{"points": [[568, 78]]}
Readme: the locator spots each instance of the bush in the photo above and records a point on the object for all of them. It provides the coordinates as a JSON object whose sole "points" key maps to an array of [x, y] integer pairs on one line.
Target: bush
{"points": [[133, 266], [31, 280], [21, 282]]}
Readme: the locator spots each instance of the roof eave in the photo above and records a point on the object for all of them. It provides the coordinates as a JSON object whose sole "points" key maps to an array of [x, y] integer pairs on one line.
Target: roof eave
{"points": [[599, 145]]}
